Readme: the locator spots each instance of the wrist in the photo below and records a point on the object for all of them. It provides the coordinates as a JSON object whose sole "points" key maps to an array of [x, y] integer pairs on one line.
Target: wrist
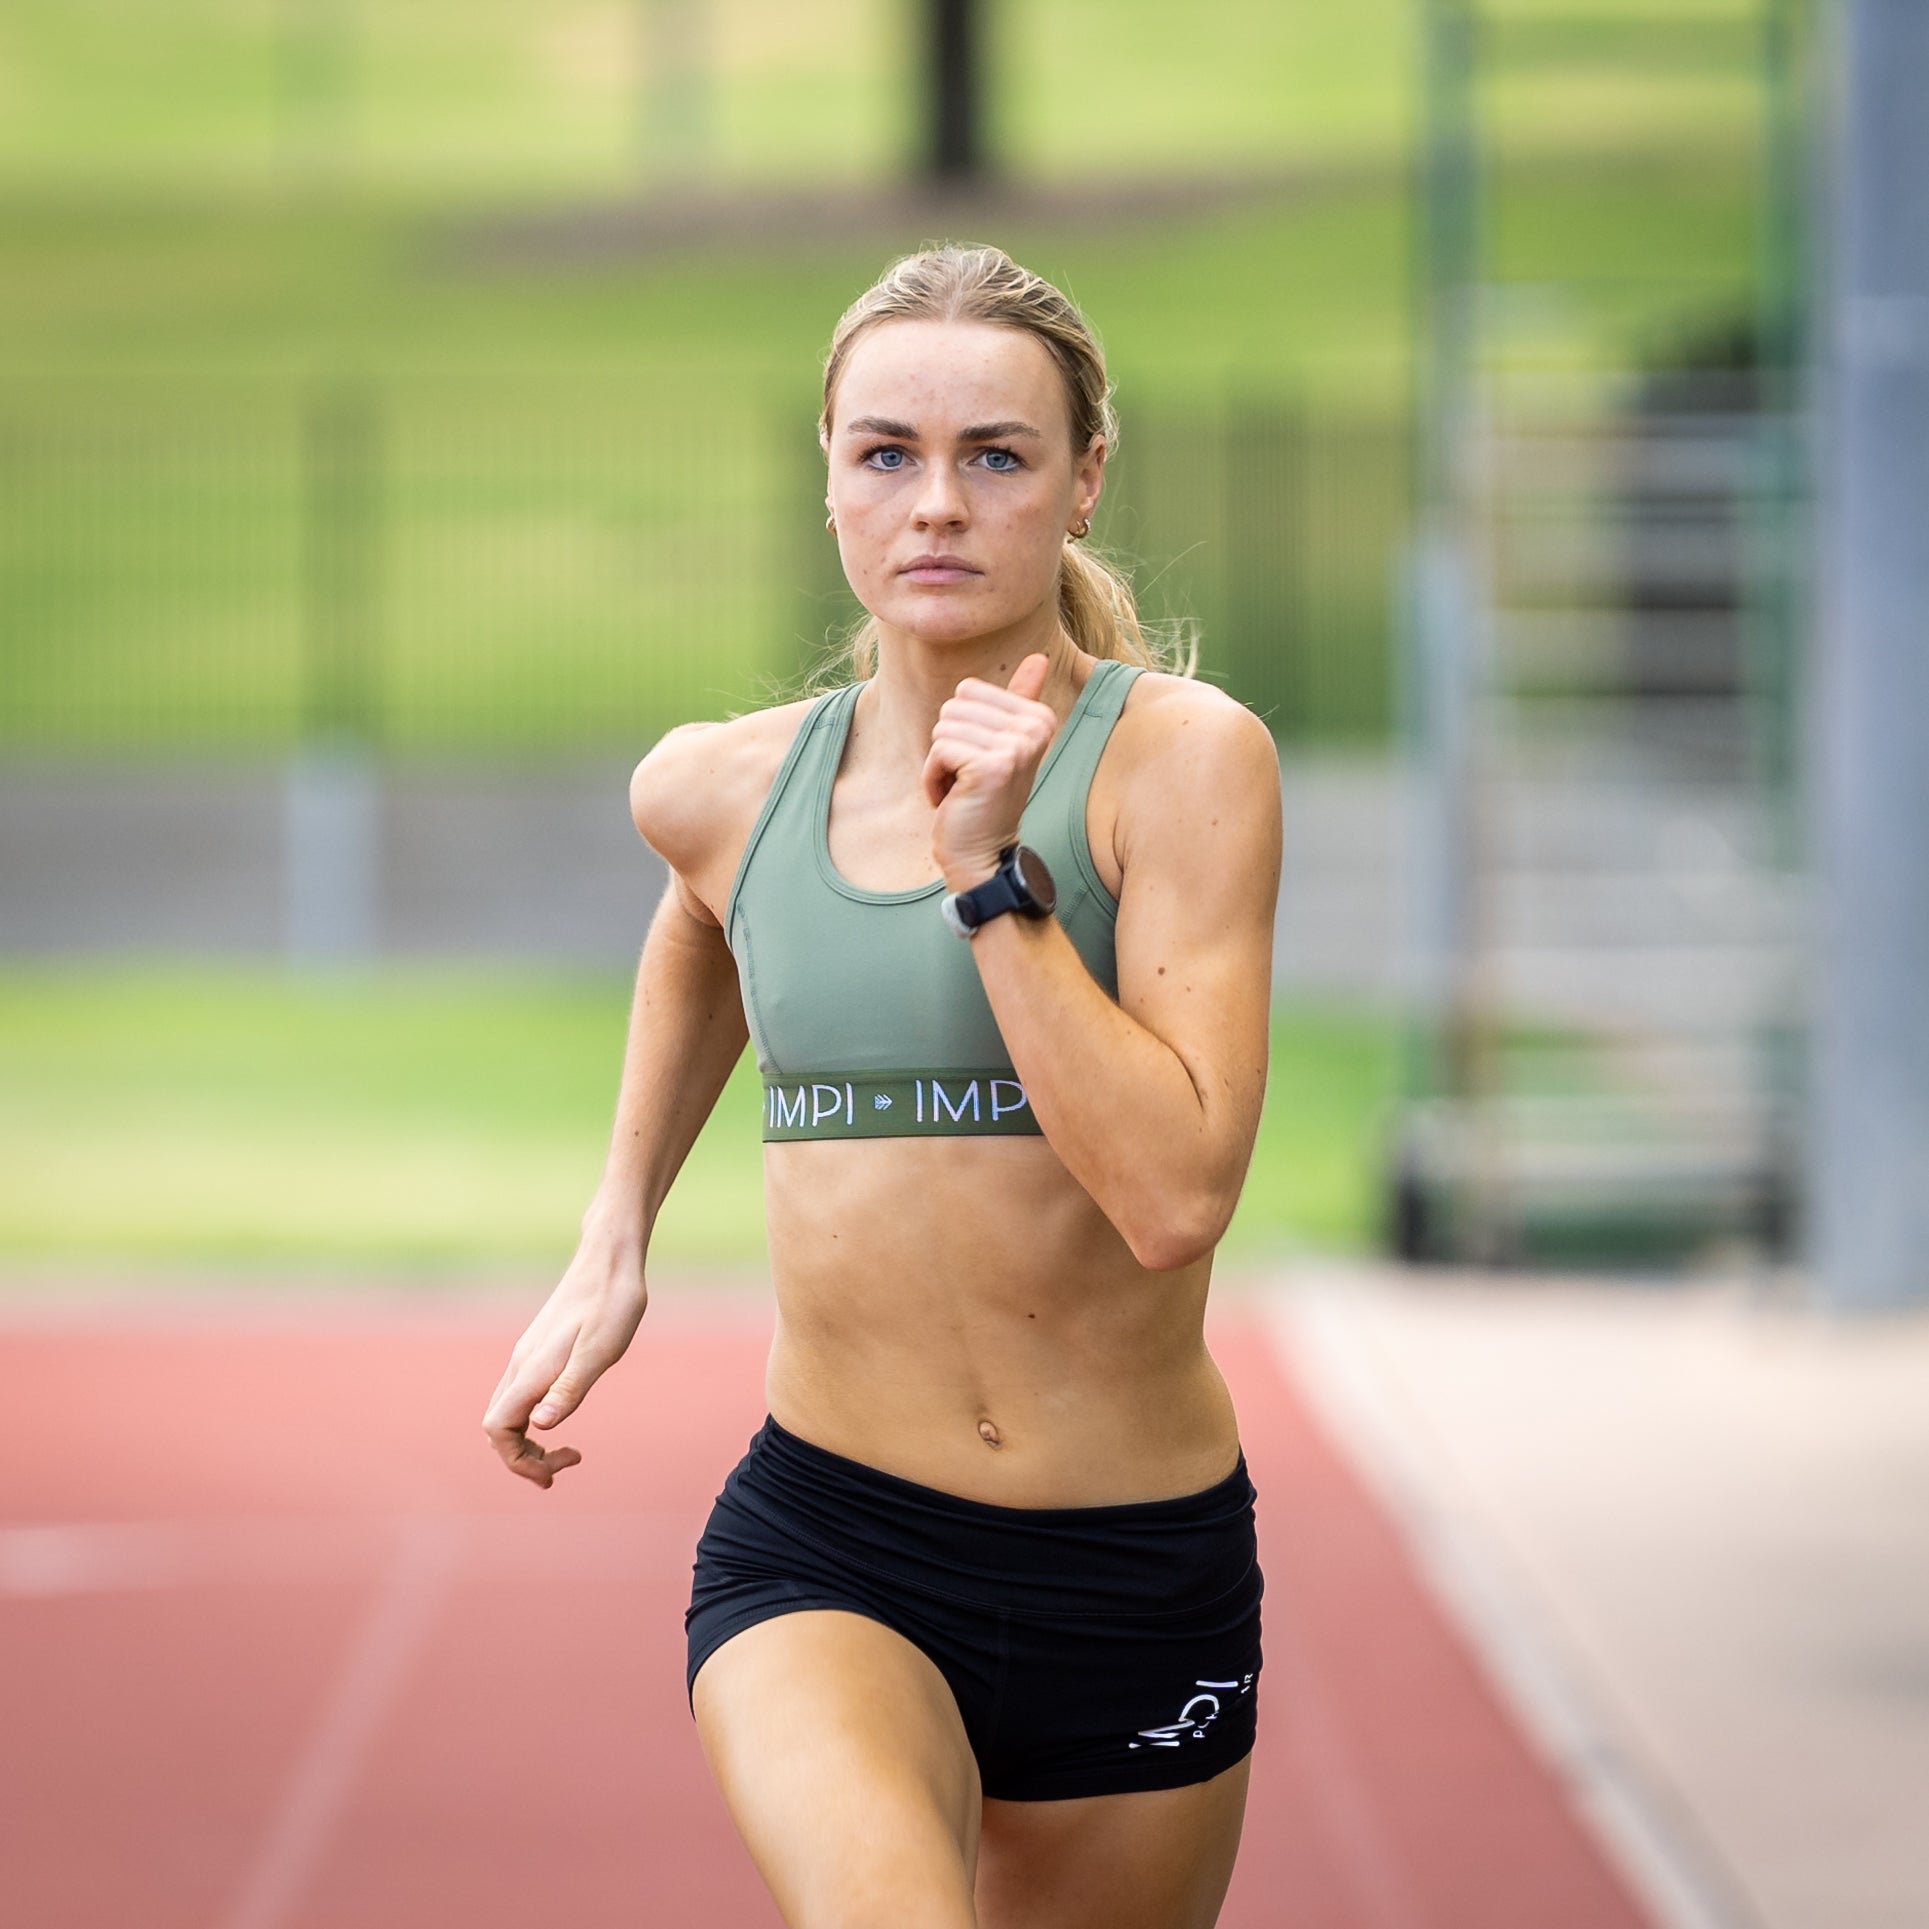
{"points": [[968, 873], [1018, 882], [617, 1222]]}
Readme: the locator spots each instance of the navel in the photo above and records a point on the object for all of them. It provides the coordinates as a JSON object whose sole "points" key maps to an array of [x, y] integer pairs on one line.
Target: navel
{"points": [[990, 1434]]}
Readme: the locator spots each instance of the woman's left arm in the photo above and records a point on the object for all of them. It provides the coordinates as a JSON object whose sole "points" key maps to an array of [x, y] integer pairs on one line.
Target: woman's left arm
{"points": [[1153, 1101]]}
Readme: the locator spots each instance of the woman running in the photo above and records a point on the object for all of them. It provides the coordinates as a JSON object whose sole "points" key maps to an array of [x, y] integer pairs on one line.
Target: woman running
{"points": [[974, 1632]]}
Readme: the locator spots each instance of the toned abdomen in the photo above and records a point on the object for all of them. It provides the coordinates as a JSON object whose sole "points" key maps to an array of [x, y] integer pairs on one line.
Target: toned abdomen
{"points": [[960, 1313]]}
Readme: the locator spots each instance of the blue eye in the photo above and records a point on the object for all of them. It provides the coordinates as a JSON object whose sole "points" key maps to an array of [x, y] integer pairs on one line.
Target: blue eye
{"points": [[1008, 460], [871, 457]]}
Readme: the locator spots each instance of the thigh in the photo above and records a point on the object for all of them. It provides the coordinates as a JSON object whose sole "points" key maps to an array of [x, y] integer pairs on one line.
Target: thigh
{"points": [[1151, 1859], [844, 1764]]}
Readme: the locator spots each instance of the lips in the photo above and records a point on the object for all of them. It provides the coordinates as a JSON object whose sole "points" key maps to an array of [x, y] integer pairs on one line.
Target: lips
{"points": [[937, 569]]}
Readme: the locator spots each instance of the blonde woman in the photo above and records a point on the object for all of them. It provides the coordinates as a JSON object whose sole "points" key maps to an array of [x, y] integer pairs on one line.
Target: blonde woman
{"points": [[974, 1632]]}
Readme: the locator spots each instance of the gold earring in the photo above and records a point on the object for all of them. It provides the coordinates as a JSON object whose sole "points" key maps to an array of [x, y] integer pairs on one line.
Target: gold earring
{"points": [[830, 522], [1083, 527]]}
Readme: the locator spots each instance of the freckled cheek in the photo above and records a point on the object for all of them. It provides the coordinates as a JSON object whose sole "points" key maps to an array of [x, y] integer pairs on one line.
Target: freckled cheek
{"points": [[1017, 527], [1026, 545], [864, 534], [1014, 536]]}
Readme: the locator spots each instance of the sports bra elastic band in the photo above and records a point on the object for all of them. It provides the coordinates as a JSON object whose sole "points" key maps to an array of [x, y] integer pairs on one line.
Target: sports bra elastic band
{"points": [[895, 1105]]}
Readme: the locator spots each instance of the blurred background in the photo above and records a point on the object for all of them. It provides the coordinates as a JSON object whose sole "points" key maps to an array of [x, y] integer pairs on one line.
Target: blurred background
{"points": [[407, 414]]}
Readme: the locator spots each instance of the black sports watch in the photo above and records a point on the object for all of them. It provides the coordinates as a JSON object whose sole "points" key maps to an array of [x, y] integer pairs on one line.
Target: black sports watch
{"points": [[1021, 883]]}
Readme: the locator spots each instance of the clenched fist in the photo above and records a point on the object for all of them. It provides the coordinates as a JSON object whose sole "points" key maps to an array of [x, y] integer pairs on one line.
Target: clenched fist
{"points": [[985, 751]]}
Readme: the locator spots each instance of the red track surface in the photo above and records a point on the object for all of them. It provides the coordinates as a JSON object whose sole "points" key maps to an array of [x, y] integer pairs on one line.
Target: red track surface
{"points": [[286, 1648]]}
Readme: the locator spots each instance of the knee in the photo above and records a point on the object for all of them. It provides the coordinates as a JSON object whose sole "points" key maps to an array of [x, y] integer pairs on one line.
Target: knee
{"points": [[869, 1904], [907, 1873]]}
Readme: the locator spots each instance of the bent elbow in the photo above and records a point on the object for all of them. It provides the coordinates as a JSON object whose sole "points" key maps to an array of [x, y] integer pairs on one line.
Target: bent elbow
{"points": [[1179, 1235], [1161, 1252]]}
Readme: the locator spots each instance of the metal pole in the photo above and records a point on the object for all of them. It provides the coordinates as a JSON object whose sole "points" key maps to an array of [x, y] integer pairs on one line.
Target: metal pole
{"points": [[1445, 268], [1870, 1122], [1780, 535], [332, 792], [1438, 677]]}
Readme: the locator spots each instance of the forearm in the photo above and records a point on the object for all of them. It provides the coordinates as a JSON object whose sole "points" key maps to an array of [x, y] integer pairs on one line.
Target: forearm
{"points": [[1163, 1152], [686, 1032]]}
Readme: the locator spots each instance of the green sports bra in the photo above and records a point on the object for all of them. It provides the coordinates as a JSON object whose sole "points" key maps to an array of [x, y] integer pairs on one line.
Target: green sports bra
{"points": [[865, 1011]]}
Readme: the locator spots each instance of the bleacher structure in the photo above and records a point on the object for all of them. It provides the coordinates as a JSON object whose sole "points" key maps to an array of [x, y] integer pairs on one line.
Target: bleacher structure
{"points": [[1604, 601]]}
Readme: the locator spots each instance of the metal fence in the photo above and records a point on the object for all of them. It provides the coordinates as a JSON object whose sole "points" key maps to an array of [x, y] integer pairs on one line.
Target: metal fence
{"points": [[540, 565]]}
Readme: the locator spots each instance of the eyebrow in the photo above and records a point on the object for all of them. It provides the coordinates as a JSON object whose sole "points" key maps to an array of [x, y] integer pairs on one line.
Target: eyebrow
{"points": [[978, 432]]}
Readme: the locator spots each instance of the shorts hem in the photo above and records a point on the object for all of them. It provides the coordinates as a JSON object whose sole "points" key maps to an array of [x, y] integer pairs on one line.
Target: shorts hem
{"points": [[1124, 1779], [769, 1611]]}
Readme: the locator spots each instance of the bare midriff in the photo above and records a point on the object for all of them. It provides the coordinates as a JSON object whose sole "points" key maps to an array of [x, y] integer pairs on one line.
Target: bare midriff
{"points": [[960, 1313]]}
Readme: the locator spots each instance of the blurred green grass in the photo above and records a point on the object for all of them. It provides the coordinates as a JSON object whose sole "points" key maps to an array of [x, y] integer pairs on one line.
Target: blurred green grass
{"points": [[150, 214], [503, 95], [1304, 289], [507, 97], [594, 491], [199, 230], [436, 1118], [591, 477]]}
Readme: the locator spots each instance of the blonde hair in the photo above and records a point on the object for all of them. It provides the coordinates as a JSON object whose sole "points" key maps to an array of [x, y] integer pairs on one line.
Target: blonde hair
{"points": [[980, 283]]}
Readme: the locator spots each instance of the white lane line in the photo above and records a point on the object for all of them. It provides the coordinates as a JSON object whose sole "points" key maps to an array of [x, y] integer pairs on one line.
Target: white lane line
{"points": [[49, 1559], [91, 1557], [1642, 1829], [707, 1302], [394, 1629]]}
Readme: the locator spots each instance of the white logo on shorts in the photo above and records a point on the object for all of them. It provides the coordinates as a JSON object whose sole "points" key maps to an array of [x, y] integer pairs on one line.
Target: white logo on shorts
{"points": [[1195, 1717]]}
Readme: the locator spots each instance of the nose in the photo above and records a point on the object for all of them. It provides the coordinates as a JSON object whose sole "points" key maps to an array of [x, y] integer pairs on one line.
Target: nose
{"points": [[941, 500]]}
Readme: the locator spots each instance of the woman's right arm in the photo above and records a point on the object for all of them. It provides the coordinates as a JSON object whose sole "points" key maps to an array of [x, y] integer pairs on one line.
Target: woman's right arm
{"points": [[686, 1031]]}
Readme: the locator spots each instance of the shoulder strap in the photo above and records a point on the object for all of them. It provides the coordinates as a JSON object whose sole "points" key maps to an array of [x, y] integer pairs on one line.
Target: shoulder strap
{"points": [[1101, 702], [808, 731]]}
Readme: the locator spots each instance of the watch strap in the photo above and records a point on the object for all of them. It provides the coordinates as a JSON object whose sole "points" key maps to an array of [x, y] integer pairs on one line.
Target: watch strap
{"points": [[965, 911]]}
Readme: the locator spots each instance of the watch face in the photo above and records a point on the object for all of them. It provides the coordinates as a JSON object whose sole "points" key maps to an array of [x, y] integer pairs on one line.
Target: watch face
{"points": [[1035, 878]]}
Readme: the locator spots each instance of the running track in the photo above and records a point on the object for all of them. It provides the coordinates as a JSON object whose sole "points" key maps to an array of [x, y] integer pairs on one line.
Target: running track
{"points": [[286, 1648]]}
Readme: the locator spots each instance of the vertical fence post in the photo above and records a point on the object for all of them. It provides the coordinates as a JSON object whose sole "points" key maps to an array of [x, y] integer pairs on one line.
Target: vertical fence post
{"points": [[954, 90], [332, 790], [675, 136], [315, 86]]}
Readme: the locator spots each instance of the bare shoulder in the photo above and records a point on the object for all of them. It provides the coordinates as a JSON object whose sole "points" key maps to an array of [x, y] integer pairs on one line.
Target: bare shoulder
{"points": [[1184, 742], [1190, 773], [697, 791]]}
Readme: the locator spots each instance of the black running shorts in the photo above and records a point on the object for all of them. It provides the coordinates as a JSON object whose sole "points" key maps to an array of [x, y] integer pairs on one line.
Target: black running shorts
{"points": [[1091, 1650]]}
